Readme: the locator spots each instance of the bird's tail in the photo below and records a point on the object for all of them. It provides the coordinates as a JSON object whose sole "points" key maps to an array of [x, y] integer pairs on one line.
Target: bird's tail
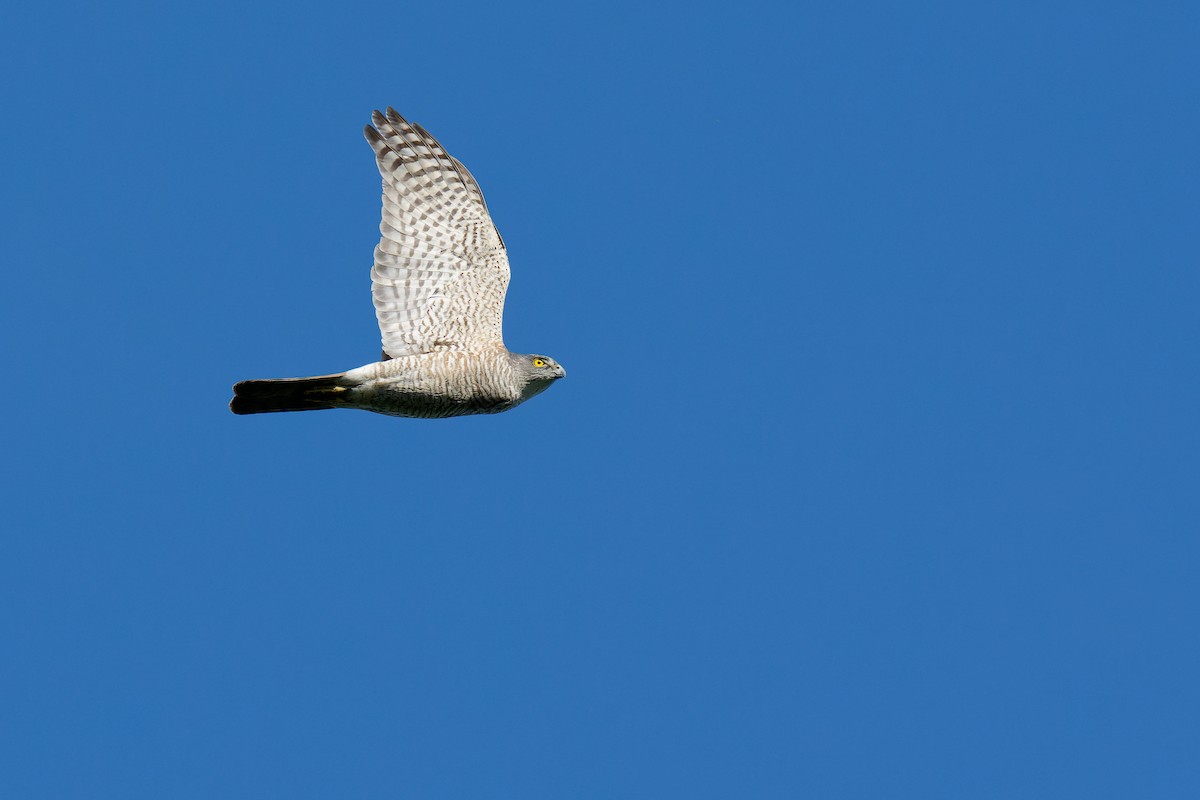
{"points": [[287, 394]]}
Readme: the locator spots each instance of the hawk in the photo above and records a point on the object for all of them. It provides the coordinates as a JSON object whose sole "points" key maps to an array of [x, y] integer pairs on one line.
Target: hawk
{"points": [[440, 274]]}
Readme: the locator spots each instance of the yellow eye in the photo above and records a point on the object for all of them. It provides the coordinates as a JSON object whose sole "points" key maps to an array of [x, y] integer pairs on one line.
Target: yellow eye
{"points": [[539, 362]]}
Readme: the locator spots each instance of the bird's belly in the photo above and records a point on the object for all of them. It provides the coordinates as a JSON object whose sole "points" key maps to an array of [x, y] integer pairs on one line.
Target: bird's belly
{"points": [[432, 385], [404, 401]]}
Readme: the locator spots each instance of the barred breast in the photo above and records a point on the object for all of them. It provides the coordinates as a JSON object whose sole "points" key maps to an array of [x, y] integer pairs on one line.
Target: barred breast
{"points": [[447, 383]]}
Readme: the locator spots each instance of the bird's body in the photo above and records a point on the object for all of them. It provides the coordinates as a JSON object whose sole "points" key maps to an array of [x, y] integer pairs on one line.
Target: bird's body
{"points": [[440, 276]]}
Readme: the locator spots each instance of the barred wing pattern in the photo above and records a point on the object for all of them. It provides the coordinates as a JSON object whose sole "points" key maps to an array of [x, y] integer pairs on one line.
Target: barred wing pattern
{"points": [[441, 269]]}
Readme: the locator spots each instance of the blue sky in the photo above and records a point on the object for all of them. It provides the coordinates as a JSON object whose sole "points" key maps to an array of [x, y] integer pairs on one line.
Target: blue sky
{"points": [[874, 475]]}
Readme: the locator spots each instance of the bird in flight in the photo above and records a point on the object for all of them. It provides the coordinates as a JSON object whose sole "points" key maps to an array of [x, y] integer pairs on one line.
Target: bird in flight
{"points": [[440, 274]]}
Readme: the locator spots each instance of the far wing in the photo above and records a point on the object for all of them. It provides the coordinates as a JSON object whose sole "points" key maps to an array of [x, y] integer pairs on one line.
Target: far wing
{"points": [[441, 270]]}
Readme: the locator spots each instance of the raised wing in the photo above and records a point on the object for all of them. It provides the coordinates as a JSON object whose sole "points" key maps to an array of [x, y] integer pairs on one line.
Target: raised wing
{"points": [[441, 270]]}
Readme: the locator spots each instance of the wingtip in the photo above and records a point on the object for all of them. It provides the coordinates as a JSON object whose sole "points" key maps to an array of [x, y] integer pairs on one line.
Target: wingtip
{"points": [[394, 117], [424, 133]]}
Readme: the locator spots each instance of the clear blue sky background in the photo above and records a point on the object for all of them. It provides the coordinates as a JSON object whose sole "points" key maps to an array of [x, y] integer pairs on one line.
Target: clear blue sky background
{"points": [[874, 476]]}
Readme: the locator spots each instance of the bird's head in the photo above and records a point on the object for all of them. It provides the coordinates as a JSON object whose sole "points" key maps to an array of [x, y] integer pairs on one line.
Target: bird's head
{"points": [[539, 368], [537, 371]]}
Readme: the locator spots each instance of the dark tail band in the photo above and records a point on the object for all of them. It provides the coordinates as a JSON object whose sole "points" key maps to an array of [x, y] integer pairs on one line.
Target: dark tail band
{"points": [[286, 394]]}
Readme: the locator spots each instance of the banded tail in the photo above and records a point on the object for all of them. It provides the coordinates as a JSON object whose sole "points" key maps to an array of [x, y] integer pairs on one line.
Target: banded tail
{"points": [[287, 394]]}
